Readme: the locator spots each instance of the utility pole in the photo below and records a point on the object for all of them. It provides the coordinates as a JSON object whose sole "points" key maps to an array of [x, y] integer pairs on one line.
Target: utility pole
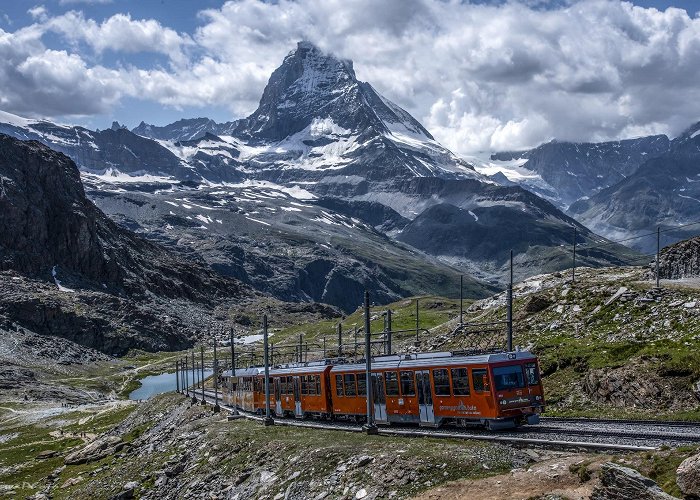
{"points": [[216, 381], [388, 328], [340, 340], [194, 378], [177, 376], [417, 341], [233, 356], [201, 350], [324, 347], [658, 252], [573, 269], [187, 385], [301, 346], [268, 419], [461, 297], [369, 427], [509, 311]]}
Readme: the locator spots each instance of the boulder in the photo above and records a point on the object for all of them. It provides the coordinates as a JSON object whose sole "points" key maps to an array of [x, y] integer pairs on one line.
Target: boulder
{"points": [[622, 483], [688, 477], [96, 450]]}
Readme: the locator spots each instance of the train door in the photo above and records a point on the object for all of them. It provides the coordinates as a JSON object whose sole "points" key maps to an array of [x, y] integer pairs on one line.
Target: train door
{"points": [[379, 398], [425, 397], [278, 397], [297, 398]]}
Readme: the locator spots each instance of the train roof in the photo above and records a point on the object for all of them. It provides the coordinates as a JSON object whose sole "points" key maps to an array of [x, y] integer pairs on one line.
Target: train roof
{"points": [[246, 372], [434, 359], [388, 362]]}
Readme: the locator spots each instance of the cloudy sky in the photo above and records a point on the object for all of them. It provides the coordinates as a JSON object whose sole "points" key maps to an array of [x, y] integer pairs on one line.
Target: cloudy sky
{"points": [[480, 75]]}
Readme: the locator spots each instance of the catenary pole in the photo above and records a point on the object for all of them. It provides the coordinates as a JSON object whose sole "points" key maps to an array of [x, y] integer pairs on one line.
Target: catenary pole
{"points": [[573, 268], [268, 418], [216, 381], [201, 351], [658, 253], [509, 311], [369, 427]]}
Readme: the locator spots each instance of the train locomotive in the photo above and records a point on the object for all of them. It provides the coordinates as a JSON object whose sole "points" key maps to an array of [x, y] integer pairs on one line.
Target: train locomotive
{"points": [[496, 391]]}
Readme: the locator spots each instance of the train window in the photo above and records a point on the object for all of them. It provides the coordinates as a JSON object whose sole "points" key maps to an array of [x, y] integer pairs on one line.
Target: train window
{"points": [[290, 385], [480, 378], [304, 389], [509, 377], [338, 385], [408, 384], [350, 388], [258, 385], [318, 385], [392, 384], [460, 382], [361, 385], [277, 388], [532, 374], [442, 382]]}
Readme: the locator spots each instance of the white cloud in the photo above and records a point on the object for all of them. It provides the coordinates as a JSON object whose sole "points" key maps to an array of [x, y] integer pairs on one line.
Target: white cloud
{"points": [[120, 33], [480, 77], [38, 12]]}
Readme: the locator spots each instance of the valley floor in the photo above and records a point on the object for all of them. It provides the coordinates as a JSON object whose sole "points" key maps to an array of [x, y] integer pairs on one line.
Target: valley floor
{"points": [[610, 345]]}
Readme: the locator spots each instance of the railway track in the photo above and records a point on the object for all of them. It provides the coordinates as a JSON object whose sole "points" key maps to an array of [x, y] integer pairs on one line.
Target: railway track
{"points": [[659, 423], [588, 434]]}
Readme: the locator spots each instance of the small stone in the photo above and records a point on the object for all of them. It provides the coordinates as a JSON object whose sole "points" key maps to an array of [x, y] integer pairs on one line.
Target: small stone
{"points": [[361, 494]]}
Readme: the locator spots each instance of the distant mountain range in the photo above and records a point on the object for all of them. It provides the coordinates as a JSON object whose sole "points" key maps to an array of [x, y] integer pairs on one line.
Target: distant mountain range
{"points": [[329, 188], [621, 189]]}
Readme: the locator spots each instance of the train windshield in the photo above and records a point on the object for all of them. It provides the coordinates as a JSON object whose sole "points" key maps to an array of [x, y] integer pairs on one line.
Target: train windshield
{"points": [[509, 377]]}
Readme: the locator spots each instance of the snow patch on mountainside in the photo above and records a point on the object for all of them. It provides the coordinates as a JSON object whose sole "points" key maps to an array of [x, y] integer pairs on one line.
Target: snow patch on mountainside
{"points": [[17, 121], [115, 176]]}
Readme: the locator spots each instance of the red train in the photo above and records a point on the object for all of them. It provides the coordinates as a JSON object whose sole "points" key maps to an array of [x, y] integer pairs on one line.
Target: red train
{"points": [[497, 391]]}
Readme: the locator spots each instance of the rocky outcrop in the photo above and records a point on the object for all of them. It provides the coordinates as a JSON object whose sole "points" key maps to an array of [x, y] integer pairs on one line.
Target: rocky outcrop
{"points": [[688, 477], [97, 450], [680, 260], [638, 385], [622, 483]]}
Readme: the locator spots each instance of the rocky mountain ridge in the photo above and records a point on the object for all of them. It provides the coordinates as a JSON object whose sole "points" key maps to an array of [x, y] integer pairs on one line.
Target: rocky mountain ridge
{"points": [[321, 136], [570, 171], [664, 191]]}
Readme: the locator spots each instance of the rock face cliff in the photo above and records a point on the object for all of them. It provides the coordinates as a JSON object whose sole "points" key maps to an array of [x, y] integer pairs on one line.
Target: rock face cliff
{"points": [[68, 270], [50, 229], [680, 260]]}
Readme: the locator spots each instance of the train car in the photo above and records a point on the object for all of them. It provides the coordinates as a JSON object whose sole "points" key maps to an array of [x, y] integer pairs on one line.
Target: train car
{"points": [[494, 390], [497, 391], [245, 390], [300, 390]]}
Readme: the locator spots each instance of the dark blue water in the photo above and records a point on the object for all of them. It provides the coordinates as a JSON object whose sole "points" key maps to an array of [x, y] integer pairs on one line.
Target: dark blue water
{"points": [[158, 384]]}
